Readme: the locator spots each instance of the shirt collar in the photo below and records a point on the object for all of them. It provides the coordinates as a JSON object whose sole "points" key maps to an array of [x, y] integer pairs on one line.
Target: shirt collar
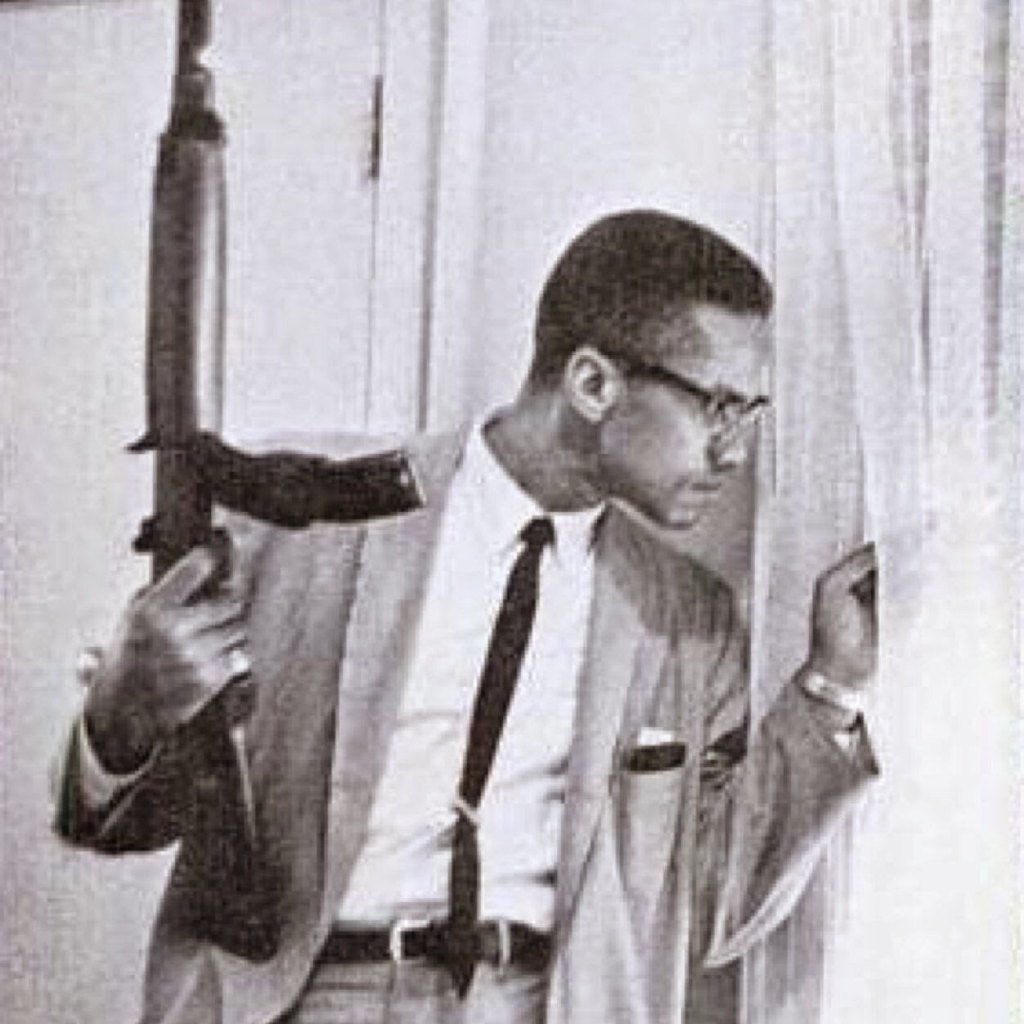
{"points": [[502, 508]]}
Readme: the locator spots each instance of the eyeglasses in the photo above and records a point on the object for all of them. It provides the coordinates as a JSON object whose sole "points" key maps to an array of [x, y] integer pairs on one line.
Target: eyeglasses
{"points": [[724, 410]]}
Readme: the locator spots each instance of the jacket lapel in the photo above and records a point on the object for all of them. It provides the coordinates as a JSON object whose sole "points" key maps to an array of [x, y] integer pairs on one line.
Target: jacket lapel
{"points": [[610, 664], [395, 566]]}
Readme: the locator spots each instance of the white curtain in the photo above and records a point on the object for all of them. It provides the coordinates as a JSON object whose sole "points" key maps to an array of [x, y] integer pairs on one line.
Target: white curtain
{"points": [[897, 254], [890, 218]]}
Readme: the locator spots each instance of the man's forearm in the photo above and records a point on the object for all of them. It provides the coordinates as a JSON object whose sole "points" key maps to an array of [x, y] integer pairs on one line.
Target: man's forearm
{"points": [[767, 829]]}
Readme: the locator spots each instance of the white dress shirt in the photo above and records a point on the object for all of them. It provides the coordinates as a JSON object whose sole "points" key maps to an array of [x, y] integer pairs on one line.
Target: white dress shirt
{"points": [[403, 867]]}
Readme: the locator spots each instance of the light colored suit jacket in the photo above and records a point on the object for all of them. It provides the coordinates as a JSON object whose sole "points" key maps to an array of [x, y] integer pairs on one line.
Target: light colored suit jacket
{"points": [[332, 611]]}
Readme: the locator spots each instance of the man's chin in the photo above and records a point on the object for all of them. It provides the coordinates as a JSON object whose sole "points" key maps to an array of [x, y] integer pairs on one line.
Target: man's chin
{"points": [[674, 519], [682, 519], [671, 516]]}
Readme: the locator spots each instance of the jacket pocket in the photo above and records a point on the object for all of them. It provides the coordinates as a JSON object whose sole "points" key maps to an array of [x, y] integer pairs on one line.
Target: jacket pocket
{"points": [[657, 757], [648, 806]]}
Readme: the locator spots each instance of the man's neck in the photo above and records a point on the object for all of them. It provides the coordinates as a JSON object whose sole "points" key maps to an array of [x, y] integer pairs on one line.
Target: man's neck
{"points": [[534, 445]]}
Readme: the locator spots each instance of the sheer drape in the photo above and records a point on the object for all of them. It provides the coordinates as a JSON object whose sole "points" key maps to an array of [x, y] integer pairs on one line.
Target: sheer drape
{"points": [[891, 222], [897, 256]]}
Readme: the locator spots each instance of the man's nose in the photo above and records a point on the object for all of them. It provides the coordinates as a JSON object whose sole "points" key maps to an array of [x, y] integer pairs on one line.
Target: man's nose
{"points": [[728, 451]]}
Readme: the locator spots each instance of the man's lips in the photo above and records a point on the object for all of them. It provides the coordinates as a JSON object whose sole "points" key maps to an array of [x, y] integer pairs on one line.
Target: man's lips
{"points": [[702, 488]]}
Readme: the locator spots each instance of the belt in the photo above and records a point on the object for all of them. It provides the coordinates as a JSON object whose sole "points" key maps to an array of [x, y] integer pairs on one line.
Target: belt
{"points": [[501, 943]]}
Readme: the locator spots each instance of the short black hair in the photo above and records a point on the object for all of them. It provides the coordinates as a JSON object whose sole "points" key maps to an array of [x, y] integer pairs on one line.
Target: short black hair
{"points": [[629, 269]]}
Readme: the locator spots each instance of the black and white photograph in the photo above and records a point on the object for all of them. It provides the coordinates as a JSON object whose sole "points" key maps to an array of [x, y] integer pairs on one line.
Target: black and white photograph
{"points": [[511, 511]]}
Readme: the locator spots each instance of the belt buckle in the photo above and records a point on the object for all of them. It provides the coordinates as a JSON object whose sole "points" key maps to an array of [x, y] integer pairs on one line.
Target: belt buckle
{"points": [[398, 930], [504, 946]]}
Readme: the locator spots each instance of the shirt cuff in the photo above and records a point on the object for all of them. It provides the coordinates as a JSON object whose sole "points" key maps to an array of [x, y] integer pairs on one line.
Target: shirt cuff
{"points": [[848, 740], [99, 786]]}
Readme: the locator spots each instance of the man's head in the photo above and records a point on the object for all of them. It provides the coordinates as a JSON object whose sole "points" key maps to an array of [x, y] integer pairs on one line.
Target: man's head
{"points": [[626, 273], [650, 330]]}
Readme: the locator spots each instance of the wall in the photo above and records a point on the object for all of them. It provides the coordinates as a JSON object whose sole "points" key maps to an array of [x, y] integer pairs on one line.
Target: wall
{"points": [[84, 93], [83, 98]]}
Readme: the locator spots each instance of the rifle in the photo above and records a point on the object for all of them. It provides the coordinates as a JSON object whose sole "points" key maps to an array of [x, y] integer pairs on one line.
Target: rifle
{"points": [[195, 470]]}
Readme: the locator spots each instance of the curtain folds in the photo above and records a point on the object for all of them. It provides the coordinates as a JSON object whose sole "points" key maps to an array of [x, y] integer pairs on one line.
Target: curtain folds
{"points": [[897, 258]]}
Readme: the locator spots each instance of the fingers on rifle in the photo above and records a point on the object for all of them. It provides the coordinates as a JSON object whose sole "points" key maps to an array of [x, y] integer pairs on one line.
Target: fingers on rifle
{"points": [[222, 642], [219, 659], [219, 612], [187, 577], [210, 619]]}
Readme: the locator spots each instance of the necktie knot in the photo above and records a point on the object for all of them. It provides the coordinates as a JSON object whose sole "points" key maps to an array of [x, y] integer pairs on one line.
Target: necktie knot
{"points": [[538, 534]]}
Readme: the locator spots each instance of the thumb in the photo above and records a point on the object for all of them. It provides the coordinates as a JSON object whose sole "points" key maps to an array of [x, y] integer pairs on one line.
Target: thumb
{"points": [[188, 577]]}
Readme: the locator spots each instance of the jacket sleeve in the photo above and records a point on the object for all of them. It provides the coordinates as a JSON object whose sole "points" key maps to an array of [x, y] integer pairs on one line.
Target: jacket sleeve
{"points": [[150, 811], [144, 814], [768, 807]]}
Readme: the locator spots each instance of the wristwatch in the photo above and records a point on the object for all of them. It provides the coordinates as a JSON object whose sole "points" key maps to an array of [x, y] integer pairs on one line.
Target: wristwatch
{"points": [[814, 684]]}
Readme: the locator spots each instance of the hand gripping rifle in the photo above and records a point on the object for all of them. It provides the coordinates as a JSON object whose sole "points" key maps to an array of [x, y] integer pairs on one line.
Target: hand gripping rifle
{"points": [[235, 905]]}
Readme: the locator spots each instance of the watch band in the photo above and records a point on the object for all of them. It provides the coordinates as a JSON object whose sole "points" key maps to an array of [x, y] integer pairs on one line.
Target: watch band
{"points": [[818, 686]]}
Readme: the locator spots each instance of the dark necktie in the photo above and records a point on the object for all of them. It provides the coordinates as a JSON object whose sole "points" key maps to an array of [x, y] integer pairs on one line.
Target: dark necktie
{"points": [[493, 697]]}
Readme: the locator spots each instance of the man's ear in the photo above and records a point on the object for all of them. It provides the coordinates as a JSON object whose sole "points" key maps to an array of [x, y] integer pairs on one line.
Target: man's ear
{"points": [[592, 383]]}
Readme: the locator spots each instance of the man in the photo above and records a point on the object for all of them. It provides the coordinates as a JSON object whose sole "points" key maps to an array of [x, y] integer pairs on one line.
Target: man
{"points": [[499, 745]]}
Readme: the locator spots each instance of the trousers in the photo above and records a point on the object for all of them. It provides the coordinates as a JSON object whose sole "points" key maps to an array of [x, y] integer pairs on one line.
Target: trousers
{"points": [[418, 993]]}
